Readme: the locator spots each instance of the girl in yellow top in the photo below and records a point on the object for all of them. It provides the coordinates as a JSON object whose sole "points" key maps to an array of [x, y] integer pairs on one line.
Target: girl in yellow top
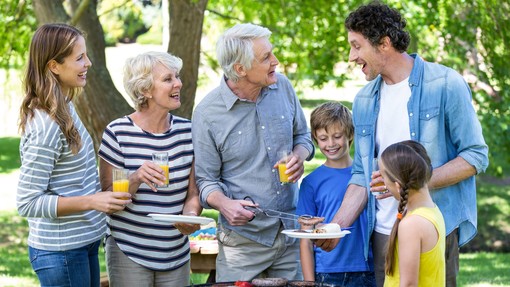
{"points": [[417, 242]]}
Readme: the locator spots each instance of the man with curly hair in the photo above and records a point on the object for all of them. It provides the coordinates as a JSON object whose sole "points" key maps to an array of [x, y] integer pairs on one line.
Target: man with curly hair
{"points": [[409, 99]]}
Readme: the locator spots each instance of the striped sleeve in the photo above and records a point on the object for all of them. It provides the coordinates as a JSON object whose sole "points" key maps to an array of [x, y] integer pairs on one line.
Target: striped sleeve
{"points": [[49, 170], [39, 152]]}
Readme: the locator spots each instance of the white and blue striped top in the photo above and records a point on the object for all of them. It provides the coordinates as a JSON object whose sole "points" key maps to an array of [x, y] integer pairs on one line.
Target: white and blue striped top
{"points": [[155, 245], [48, 170]]}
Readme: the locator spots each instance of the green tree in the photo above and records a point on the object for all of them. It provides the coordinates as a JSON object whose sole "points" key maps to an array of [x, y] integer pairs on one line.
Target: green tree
{"points": [[477, 42], [17, 27], [310, 40]]}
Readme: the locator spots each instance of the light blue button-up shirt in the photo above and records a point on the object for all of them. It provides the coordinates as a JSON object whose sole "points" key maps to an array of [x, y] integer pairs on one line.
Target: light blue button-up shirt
{"points": [[443, 120], [236, 145]]}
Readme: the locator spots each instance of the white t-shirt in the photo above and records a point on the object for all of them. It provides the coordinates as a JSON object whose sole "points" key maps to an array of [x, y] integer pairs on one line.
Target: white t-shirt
{"points": [[392, 127]]}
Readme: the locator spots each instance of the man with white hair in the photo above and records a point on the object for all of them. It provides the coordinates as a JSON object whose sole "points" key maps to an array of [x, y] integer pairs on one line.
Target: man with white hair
{"points": [[239, 129]]}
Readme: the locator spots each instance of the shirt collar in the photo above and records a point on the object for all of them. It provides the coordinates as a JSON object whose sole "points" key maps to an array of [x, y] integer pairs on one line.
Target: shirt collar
{"points": [[229, 98], [417, 71]]}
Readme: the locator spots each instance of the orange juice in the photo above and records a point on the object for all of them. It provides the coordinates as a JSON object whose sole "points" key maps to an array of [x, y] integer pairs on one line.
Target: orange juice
{"points": [[282, 168], [379, 184], [121, 185], [167, 177]]}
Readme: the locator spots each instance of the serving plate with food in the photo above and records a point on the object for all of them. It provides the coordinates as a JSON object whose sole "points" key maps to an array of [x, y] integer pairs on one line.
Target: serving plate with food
{"points": [[321, 231]]}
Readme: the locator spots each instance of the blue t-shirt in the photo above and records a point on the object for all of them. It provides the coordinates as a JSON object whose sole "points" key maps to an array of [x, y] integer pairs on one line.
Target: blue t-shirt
{"points": [[321, 194]]}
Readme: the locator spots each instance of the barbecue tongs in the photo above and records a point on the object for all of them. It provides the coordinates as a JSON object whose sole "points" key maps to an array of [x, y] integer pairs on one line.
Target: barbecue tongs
{"points": [[273, 213]]}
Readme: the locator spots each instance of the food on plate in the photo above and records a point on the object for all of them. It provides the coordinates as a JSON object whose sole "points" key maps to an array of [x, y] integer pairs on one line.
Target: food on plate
{"points": [[269, 282], [327, 228], [310, 221]]}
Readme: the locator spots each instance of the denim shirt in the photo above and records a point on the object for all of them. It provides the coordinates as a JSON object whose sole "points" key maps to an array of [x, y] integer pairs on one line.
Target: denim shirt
{"points": [[236, 145], [443, 120]]}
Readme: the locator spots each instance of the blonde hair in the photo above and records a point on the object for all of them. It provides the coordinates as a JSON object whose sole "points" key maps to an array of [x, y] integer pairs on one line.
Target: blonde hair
{"points": [[41, 87], [138, 77]]}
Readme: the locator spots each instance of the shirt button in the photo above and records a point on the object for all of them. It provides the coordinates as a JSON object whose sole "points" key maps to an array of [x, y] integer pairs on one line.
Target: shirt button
{"points": [[263, 127], [240, 132], [269, 148], [277, 192], [411, 114], [283, 117], [413, 134], [273, 170], [427, 115], [363, 131]]}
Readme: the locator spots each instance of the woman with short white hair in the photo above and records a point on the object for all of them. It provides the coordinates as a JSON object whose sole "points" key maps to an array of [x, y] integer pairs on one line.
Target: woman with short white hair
{"points": [[139, 250]]}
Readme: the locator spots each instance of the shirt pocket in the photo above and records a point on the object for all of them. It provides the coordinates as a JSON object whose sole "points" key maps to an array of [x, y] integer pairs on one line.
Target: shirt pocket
{"points": [[239, 143], [364, 137], [429, 124], [281, 128]]}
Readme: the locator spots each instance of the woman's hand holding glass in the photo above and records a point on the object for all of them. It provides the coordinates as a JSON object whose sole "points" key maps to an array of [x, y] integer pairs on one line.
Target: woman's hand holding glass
{"points": [[109, 202], [150, 174]]}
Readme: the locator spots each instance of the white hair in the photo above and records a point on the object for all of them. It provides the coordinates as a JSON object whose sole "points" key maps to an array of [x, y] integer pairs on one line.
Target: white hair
{"points": [[236, 46], [138, 77]]}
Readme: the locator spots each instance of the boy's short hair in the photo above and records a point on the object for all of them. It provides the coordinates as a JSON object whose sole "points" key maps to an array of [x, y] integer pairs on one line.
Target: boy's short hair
{"points": [[330, 114]]}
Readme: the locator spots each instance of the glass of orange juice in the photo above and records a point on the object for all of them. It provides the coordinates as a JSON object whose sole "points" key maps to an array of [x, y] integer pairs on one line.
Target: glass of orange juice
{"points": [[120, 180], [375, 167], [161, 159], [284, 156]]}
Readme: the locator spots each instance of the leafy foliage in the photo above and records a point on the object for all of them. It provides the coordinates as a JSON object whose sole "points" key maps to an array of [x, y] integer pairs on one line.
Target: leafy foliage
{"points": [[472, 37], [476, 38], [18, 23], [122, 20], [309, 37]]}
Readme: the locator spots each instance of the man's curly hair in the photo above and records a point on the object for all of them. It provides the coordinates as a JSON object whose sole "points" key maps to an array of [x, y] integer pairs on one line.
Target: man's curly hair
{"points": [[375, 21]]}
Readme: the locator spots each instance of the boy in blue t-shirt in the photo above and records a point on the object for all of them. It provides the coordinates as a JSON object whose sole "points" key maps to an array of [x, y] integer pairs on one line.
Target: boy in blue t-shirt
{"points": [[321, 194]]}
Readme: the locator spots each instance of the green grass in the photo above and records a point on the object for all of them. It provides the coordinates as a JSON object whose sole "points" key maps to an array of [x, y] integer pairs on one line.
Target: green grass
{"points": [[9, 154], [484, 269], [493, 217], [476, 269]]}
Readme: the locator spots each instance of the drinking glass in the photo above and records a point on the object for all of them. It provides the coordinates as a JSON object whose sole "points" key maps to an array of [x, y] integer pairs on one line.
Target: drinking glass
{"points": [[120, 180], [161, 159], [375, 167], [284, 156]]}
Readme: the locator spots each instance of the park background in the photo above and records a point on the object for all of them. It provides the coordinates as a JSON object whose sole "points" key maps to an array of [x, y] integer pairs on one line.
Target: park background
{"points": [[471, 36]]}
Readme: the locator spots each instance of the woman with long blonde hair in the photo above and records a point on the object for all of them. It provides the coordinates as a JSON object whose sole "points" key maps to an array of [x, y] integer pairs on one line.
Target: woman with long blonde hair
{"points": [[58, 187]]}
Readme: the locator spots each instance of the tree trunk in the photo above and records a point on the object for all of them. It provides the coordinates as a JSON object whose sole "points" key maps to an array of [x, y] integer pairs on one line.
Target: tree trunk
{"points": [[186, 19], [100, 102]]}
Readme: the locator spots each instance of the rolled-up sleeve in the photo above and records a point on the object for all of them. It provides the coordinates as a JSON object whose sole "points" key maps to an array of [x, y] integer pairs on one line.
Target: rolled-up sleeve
{"points": [[466, 134]]}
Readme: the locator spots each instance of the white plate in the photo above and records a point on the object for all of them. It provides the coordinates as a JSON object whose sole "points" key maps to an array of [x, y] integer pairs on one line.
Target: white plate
{"points": [[309, 235], [172, 218]]}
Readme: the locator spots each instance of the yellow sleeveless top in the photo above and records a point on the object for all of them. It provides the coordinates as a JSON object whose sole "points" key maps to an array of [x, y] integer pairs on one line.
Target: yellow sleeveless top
{"points": [[432, 262]]}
